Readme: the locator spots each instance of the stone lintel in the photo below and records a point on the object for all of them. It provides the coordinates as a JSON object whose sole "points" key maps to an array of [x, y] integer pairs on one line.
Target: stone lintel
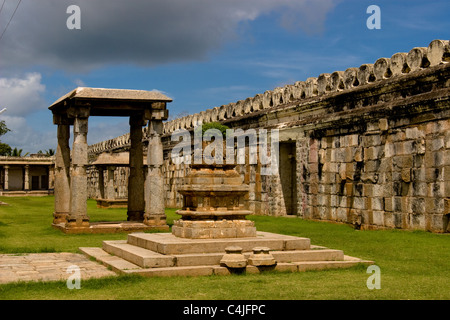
{"points": [[62, 119], [78, 112], [160, 114]]}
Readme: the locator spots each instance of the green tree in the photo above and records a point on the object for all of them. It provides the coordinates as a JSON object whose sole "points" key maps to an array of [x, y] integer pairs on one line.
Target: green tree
{"points": [[18, 153], [50, 152], [5, 149]]}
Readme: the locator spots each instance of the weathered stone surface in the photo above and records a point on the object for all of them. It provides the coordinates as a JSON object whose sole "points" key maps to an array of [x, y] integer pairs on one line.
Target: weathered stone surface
{"points": [[74, 109], [438, 52], [233, 258], [48, 267], [261, 256]]}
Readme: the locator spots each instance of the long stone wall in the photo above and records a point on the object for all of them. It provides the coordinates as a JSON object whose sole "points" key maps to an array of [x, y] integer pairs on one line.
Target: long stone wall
{"points": [[367, 146]]}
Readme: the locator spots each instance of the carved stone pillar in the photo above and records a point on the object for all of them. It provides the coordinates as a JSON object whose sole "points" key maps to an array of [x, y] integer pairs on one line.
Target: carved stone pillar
{"points": [[78, 217], [136, 203], [154, 183], [62, 169], [26, 180], [51, 177], [110, 192], [101, 182], [6, 187]]}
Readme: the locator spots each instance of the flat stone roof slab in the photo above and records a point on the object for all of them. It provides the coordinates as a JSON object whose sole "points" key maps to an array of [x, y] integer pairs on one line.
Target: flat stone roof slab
{"points": [[111, 94]]}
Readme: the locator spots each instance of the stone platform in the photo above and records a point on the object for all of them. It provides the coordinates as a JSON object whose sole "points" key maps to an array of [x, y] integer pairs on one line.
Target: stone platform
{"points": [[110, 227], [163, 254], [48, 267]]}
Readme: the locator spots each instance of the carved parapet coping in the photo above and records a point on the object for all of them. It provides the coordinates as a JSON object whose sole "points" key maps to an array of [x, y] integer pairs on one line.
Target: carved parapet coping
{"points": [[365, 74], [215, 114], [351, 78], [337, 81], [438, 52], [239, 108], [311, 87], [248, 105], [258, 102], [323, 83], [205, 116], [222, 113], [267, 101], [382, 69], [417, 59], [398, 63]]}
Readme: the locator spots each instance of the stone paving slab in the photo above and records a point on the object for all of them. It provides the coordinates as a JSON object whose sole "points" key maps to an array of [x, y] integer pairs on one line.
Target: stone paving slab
{"points": [[48, 267]]}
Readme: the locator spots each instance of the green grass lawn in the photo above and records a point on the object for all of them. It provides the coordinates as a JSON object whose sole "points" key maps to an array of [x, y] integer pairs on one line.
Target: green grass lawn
{"points": [[414, 264]]}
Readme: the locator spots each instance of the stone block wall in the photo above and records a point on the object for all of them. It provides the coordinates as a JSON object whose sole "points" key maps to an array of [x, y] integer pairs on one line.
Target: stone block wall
{"points": [[369, 146], [121, 175], [393, 178]]}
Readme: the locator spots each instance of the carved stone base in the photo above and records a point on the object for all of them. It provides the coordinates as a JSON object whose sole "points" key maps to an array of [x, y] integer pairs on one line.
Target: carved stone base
{"points": [[60, 217], [137, 216], [213, 229], [156, 220]]}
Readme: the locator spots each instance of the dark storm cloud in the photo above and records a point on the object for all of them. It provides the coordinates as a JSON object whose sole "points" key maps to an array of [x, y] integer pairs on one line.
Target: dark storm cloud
{"points": [[136, 31]]}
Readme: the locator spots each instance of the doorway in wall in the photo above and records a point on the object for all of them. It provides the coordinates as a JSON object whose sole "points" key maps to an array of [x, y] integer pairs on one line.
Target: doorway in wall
{"points": [[288, 177]]}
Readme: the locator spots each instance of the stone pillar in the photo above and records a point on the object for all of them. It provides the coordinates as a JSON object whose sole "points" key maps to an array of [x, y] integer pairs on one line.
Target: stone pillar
{"points": [[62, 169], [51, 177], [110, 190], [26, 182], [136, 203], [78, 217], [6, 187], [154, 183], [101, 182]]}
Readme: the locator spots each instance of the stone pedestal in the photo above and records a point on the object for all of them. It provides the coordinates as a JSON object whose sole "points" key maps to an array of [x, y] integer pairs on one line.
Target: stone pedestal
{"points": [[261, 257], [213, 229], [213, 204], [233, 258]]}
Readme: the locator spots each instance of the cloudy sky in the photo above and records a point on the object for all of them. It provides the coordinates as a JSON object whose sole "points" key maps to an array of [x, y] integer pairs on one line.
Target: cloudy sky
{"points": [[201, 53]]}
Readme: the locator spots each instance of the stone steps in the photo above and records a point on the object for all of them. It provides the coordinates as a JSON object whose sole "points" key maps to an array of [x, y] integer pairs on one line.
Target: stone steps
{"points": [[137, 255], [123, 266], [162, 254], [149, 259]]}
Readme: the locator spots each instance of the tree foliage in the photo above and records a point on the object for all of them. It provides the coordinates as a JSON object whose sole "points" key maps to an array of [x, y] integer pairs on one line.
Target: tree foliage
{"points": [[5, 149]]}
